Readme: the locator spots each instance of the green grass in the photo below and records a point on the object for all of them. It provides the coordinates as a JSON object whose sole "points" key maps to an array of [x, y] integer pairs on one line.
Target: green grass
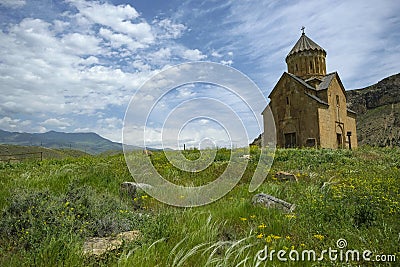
{"points": [[48, 208], [16, 153]]}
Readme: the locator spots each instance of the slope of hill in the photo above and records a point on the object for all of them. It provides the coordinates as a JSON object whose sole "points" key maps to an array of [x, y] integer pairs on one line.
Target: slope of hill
{"points": [[17, 153], [378, 112], [89, 142]]}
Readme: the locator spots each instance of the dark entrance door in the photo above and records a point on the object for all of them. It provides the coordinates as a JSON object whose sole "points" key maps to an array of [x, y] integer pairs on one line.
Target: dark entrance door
{"points": [[339, 140], [290, 140]]}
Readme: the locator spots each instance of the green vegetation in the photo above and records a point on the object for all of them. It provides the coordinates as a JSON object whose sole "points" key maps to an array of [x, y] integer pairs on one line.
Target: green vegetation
{"points": [[49, 208], [16, 153]]}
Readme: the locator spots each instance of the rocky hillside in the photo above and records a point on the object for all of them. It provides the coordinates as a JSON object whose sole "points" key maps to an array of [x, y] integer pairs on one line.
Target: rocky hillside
{"points": [[378, 112]]}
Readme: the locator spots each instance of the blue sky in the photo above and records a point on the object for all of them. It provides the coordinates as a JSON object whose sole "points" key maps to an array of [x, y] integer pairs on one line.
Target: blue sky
{"points": [[74, 65]]}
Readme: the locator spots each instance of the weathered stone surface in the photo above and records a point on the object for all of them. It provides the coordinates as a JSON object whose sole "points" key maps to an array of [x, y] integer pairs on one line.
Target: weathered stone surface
{"points": [[147, 152], [378, 112], [285, 176], [131, 188], [308, 105], [97, 246], [272, 202]]}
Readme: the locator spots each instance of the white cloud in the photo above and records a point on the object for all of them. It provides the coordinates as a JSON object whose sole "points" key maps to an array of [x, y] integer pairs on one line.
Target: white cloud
{"points": [[216, 54], [80, 44], [13, 3], [56, 122], [193, 54], [170, 29], [227, 62], [119, 18], [118, 40], [11, 124]]}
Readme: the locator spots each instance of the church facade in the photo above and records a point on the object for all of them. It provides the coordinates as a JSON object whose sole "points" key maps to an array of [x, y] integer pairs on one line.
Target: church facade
{"points": [[308, 105]]}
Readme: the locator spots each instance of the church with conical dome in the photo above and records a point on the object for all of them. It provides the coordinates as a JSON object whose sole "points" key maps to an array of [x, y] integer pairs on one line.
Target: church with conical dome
{"points": [[308, 105]]}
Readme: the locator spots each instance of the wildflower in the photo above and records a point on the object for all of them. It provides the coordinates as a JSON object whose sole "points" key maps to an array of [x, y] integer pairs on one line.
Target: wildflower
{"points": [[290, 216], [268, 239], [288, 237], [243, 219], [252, 216], [262, 226], [66, 204], [145, 196], [285, 248], [320, 237], [260, 236], [302, 244], [276, 237]]}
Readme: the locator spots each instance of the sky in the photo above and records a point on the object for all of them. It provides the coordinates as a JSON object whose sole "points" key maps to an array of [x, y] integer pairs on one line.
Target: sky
{"points": [[74, 65]]}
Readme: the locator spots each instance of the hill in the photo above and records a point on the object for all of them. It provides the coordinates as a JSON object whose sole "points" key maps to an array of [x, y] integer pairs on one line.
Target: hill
{"points": [[89, 142], [378, 112], [17, 153]]}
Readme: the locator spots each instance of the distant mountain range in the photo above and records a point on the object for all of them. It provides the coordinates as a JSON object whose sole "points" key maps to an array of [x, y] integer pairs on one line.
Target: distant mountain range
{"points": [[91, 143]]}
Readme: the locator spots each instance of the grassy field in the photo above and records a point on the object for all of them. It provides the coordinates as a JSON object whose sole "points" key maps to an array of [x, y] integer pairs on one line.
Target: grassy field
{"points": [[49, 208]]}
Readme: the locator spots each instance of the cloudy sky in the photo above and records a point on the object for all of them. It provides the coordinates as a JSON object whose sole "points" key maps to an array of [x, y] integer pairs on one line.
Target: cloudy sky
{"points": [[73, 65]]}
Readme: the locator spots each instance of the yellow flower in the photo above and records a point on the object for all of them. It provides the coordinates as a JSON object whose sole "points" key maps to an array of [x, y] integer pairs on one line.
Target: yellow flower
{"points": [[145, 196], [288, 237], [302, 244], [243, 219], [252, 216], [320, 237], [276, 237], [290, 216], [260, 236], [268, 239], [262, 226]]}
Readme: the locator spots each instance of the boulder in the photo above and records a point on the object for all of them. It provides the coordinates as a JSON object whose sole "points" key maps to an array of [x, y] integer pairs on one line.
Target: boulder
{"points": [[131, 188], [96, 246], [285, 176], [272, 202]]}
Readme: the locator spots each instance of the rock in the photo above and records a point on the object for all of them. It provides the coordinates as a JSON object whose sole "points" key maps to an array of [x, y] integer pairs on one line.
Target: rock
{"points": [[272, 202], [96, 246], [147, 152], [131, 188], [285, 176]]}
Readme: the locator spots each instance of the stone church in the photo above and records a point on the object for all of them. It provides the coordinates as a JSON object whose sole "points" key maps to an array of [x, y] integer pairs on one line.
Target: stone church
{"points": [[308, 105]]}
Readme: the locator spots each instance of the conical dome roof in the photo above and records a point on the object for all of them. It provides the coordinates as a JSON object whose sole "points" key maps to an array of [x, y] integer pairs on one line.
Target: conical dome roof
{"points": [[305, 44]]}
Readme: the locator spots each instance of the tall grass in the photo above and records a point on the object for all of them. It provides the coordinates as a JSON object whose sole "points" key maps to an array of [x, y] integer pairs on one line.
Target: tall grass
{"points": [[49, 208]]}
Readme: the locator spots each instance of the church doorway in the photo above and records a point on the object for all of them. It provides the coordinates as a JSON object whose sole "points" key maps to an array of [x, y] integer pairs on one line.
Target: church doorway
{"points": [[339, 136], [339, 140], [290, 140]]}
